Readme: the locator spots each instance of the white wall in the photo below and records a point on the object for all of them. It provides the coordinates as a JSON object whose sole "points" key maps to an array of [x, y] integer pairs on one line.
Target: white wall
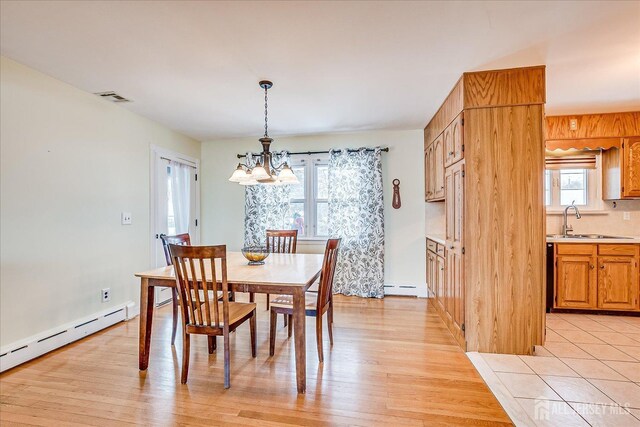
{"points": [[71, 163], [223, 201]]}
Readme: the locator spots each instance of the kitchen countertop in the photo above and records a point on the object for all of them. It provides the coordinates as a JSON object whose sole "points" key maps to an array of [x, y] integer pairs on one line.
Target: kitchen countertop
{"points": [[629, 240], [438, 238]]}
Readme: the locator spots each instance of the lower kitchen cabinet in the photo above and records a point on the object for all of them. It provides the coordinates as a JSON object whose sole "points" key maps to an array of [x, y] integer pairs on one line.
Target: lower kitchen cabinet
{"points": [[618, 283], [576, 281], [597, 277]]}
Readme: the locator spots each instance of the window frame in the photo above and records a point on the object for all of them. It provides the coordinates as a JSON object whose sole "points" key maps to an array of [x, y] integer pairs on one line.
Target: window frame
{"points": [[593, 190], [311, 199]]}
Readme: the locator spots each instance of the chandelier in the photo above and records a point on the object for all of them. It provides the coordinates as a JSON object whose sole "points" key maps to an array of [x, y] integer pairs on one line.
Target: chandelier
{"points": [[265, 171]]}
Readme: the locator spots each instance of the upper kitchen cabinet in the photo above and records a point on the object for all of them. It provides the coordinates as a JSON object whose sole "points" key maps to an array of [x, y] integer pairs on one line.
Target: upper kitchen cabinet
{"points": [[616, 134]]}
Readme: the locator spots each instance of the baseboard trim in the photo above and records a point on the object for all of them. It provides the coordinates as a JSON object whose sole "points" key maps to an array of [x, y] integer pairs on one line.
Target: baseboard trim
{"points": [[27, 349]]}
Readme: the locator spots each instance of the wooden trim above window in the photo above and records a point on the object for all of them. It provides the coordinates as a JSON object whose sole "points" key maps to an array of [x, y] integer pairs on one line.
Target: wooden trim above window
{"points": [[583, 144]]}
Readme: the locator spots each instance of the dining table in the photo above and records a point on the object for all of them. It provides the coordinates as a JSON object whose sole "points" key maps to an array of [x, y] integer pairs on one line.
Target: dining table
{"points": [[281, 273]]}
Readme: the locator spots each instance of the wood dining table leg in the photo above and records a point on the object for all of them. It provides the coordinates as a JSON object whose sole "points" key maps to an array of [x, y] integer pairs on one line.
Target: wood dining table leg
{"points": [[299, 326], [147, 297]]}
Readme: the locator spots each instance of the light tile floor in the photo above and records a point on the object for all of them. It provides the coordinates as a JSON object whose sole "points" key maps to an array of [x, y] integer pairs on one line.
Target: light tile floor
{"points": [[588, 373]]}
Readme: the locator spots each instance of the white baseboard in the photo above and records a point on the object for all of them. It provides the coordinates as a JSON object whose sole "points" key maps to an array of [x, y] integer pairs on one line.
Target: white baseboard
{"points": [[29, 348], [406, 290]]}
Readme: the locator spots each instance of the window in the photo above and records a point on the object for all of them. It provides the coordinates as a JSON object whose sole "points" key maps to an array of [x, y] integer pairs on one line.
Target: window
{"points": [[563, 186], [309, 203], [573, 187]]}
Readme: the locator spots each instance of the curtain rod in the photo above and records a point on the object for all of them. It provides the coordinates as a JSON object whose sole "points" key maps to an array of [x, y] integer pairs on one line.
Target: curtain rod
{"points": [[350, 150]]}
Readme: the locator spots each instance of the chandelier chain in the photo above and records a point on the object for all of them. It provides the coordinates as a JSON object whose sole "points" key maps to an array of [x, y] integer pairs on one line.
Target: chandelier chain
{"points": [[266, 126]]}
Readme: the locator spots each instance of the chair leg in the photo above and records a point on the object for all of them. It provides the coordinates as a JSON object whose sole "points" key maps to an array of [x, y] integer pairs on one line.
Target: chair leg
{"points": [[212, 341], [174, 303], [227, 361], [330, 318], [252, 297], [252, 326], [185, 357], [232, 296], [290, 325], [330, 324], [268, 301], [272, 332], [319, 336], [285, 321]]}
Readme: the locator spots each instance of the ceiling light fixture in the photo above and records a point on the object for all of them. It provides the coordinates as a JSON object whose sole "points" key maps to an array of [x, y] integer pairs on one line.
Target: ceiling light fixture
{"points": [[265, 171]]}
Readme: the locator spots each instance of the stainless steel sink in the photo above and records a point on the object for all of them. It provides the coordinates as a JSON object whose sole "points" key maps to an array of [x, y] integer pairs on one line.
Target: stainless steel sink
{"points": [[584, 236]]}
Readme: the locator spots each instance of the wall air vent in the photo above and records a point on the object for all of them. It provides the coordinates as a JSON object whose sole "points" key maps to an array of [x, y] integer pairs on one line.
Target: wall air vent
{"points": [[112, 96]]}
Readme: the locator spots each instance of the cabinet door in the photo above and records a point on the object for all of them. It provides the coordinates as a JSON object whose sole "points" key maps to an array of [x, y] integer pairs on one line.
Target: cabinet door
{"points": [[618, 282], [430, 277], [443, 294], [427, 173], [454, 209], [456, 288], [449, 151], [631, 167], [576, 281], [454, 149], [438, 167]]}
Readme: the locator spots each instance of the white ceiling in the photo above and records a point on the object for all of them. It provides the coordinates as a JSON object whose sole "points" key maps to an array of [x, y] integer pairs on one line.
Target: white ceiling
{"points": [[336, 66]]}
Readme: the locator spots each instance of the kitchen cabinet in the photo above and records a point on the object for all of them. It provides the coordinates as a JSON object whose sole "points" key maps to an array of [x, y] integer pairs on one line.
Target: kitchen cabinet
{"points": [[491, 127], [434, 170], [436, 273], [438, 168], [453, 146], [618, 282], [631, 167], [442, 293], [597, 276], [576, 281]]}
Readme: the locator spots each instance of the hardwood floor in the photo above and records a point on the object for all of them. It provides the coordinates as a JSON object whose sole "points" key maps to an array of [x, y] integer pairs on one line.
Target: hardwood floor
{"points": [[393, 363]]}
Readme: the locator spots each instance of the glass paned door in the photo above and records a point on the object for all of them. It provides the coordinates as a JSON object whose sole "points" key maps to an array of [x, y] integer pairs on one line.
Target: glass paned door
{"points": [[174, 200]]}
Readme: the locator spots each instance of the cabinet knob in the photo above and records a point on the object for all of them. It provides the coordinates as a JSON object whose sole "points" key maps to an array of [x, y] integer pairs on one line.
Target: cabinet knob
{"points": [[451, 153], [602, 266], [451, 247], [591, 266], [441, 268]]}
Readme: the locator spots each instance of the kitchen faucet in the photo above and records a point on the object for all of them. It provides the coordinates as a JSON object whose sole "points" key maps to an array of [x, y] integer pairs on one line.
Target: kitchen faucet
{"points": [[567, 228]]}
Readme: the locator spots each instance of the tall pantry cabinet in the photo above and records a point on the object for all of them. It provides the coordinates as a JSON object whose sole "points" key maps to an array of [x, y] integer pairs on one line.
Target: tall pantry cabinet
{"points": [[492, 168]]}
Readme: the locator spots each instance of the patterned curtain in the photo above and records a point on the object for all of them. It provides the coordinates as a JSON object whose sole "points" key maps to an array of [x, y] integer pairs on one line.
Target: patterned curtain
{"points": [[265, 206], [356, 215]]}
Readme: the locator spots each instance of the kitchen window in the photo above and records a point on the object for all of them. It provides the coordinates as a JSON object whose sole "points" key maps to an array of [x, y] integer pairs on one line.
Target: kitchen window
{"points": [[309, 203], [573, 179]]}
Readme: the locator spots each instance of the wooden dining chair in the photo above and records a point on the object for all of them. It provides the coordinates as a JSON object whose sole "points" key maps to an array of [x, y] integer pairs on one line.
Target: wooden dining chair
{"points": [[195, 270], [281, 242], [316, 304], [178, 239]]}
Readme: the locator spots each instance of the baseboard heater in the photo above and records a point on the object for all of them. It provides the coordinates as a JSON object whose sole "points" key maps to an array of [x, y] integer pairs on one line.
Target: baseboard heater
{"points": [[403, 290], [24, 350]]}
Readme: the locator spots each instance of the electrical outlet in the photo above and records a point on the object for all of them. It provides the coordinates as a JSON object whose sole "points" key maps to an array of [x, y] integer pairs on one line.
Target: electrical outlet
{"points": [[106, 294], [626, 216], [573, 124], [126, 218]]}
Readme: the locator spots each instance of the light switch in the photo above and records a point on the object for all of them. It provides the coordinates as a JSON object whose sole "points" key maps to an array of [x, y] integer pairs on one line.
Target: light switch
{"points": [[626, 216], [126, 218]]}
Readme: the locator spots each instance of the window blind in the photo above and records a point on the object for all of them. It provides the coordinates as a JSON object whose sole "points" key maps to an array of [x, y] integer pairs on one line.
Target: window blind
{"points": [[571, 159]]}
